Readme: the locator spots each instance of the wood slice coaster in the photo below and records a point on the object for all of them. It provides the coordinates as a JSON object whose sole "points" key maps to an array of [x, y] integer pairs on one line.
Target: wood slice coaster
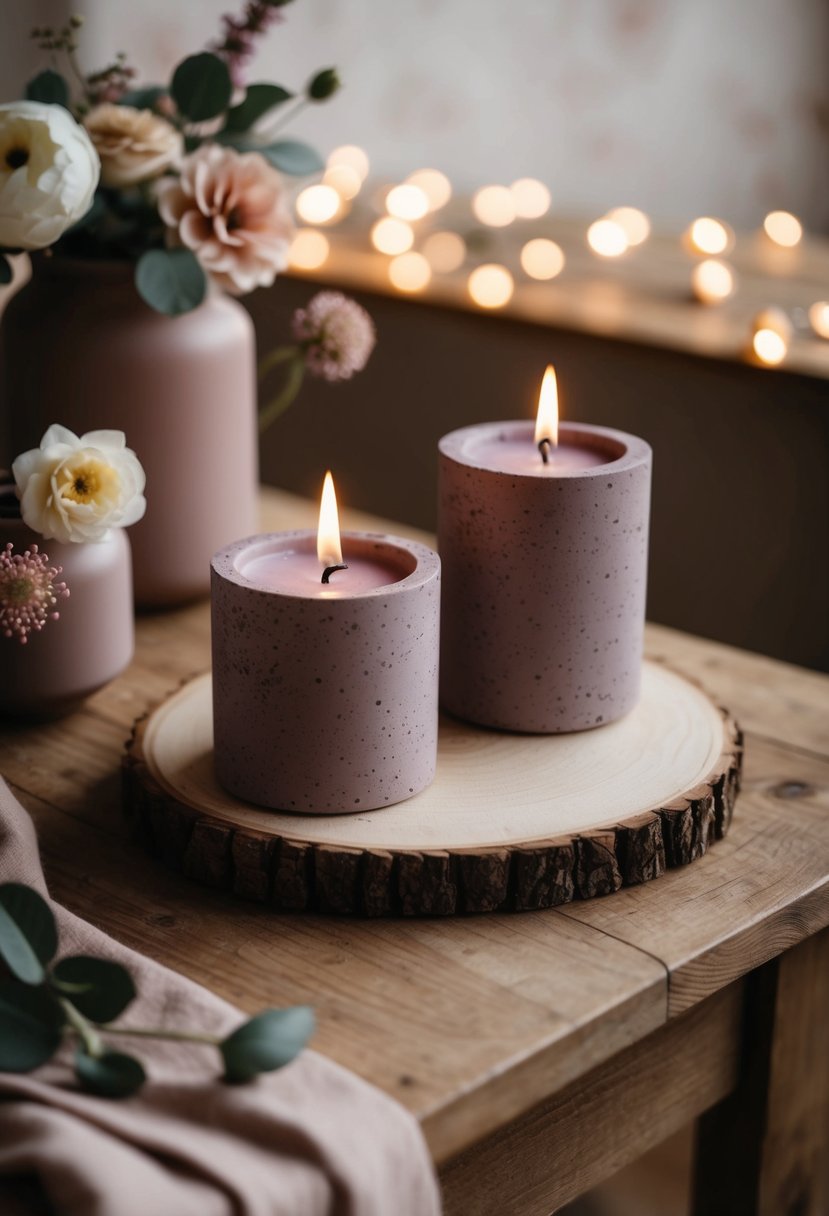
{"points": [[512, 822]]}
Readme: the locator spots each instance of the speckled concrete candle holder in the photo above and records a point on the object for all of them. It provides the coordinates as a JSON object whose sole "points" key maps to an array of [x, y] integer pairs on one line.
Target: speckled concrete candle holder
{"points": [[326, 703], [544, 580]]}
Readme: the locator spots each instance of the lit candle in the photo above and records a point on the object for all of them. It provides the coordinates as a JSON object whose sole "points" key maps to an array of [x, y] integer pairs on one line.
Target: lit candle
{"points": [[544, 571], [325, 659]]}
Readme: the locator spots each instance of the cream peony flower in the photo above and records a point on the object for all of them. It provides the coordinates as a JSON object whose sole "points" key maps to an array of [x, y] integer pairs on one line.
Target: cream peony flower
{"points": [[48, 173], [232, 211], [76, 489], [134, 145]]}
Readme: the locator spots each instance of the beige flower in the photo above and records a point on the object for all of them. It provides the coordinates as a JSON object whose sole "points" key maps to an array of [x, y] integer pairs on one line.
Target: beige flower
{"points": [[232, 211], [76, 489], [134, 145]]}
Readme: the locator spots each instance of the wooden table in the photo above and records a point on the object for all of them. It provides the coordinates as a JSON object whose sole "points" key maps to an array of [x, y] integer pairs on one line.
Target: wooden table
{"points": [[540, 1051]]}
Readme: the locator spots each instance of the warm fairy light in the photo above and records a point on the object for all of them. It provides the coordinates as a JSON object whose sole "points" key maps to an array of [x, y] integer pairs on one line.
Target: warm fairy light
{"points": [[819, 318], [410, 272], [352, 157], [607, 238], [309, 249], [542, 259], [407, 202], [329, 546], [444, 251], [769, 346], [546, 420], [707, 235], [434, 184], [317, 204], [494, 205], [345, 180], [392, 236], [633, 222], [490, 285], [712, 281], [783, 228], [531, 198]]}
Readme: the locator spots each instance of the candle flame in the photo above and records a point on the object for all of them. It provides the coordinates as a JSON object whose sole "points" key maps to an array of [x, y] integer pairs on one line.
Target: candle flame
{"points": [[329, 546], [546, 422]]}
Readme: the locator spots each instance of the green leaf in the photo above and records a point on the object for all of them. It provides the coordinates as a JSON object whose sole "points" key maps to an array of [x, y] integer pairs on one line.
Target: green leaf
{"points": [[112, 1075], [268, 1041], [6, 271], [100, 989], [142, 99], [31, 1025], [28, 933], [324, 85], [171, 281], [201, 86], [50, 87], [293, 157], [259, 99]]}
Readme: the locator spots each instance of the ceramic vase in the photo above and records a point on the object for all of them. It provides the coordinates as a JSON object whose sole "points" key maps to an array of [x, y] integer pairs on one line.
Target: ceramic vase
{"points": [[80, 347], [93, 639]]}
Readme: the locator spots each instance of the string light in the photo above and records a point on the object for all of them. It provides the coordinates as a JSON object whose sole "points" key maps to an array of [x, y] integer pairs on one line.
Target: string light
{"points": [[490, 285], [783, 228], [392, 236], [434, 184], [707, 235], [410, 272], [712, 281], [318, 204], [444, 251], [309, 249], [542, 258], [607, 238], [772, 331], [351, 157], [345, 180], [531, 198], [407, 202], [494, 205], [819, 318], [633, 222]]}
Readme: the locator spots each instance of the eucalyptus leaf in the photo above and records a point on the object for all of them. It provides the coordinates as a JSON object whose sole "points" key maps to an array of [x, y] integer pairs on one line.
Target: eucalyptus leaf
{"points": [[292, 157], [266, 1042], [171, 281], [100, 989], [201, 86], [112, 1075], [49, 87], [5, 270], [28, 933], [324, 85], [142, 99], [259, 99], [31, 1025]]}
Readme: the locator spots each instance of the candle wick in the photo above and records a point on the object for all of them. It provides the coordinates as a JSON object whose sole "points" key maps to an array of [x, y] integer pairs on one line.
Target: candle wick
{"points": [[544, 447], [329, 570]]}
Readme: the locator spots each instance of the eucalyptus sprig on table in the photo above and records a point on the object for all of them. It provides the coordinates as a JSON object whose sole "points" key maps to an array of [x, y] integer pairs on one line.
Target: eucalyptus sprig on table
{"points": [[43, 1002]]}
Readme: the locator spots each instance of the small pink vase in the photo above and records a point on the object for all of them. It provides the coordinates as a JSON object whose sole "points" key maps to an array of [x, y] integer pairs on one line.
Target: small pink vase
{"points": [[93, 639], [80, 347]]}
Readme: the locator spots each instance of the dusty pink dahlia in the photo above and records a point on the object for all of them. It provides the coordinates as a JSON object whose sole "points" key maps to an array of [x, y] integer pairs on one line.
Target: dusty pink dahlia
{"points": [[28, 592], [231, 209], [337, 334]]}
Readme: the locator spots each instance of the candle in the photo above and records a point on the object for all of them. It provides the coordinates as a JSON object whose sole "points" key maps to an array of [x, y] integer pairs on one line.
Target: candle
{"points": [[325, 660], [544, 571]]}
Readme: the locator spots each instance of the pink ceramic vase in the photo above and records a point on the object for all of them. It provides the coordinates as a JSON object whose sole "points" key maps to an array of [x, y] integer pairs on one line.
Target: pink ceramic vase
{"points": [[81, 348], [90, 643]]}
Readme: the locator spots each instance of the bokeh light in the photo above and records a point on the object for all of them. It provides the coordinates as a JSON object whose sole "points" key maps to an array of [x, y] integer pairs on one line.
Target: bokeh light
{"points": [[490, 285], [345, 180], [542, 258], [607, 238], [444, 251], [531, 198], [410, 272], [712, 281], [769, 346], [318, 204], [707, 235], [494, 205], [392, 236], [633, 222], [434, 184], [819, 318], [783, 228], [352, 157], [309, 249], [407, 202]]}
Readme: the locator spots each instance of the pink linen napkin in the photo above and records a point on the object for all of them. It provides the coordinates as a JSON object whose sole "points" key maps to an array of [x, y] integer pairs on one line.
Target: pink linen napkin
{"points": [[310, 1140]]}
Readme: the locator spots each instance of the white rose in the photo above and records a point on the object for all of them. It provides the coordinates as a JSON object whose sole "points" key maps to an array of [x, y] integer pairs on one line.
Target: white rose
{"points": [[75, 489], [48, 173]]}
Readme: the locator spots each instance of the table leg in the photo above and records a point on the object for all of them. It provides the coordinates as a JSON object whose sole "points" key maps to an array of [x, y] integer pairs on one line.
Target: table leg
{"points": [[764, 1150]]}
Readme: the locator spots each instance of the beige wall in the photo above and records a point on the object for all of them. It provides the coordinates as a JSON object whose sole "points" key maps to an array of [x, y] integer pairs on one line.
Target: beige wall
{"points": [[681, 106]]}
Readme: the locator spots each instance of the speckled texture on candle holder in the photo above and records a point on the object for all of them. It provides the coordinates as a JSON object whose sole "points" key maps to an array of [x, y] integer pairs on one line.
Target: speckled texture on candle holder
{"points": [[326, 706], [544, 584]]}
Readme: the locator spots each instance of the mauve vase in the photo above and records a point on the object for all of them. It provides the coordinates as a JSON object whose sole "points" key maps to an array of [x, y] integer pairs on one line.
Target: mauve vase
{"points": [[80, 347], [93, 640]]}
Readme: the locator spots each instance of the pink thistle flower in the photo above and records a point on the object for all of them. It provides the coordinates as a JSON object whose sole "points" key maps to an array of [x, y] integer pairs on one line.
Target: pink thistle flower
{"points": [[28, 592], [336, 333]]}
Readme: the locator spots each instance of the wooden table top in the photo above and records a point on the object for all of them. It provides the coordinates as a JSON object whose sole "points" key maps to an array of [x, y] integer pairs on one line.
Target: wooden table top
{"points": [[466, 1021]]}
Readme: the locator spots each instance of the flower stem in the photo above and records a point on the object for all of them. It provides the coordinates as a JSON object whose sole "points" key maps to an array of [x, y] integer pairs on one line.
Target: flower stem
{"points": [[84, 1029], [293, 382], [288, 115], [274, 358], [178, 1036]]}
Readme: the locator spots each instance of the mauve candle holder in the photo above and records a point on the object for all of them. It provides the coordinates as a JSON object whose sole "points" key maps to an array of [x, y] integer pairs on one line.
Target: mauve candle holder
{"points": [[325, 701], [544, 579]]}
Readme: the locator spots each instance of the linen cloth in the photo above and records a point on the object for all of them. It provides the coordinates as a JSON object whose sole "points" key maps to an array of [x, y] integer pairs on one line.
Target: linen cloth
{"points": [[310, 1140]]}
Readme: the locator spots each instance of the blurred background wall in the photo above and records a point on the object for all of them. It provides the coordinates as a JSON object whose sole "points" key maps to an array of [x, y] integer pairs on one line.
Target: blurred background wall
{"points": [[682, 108]]}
